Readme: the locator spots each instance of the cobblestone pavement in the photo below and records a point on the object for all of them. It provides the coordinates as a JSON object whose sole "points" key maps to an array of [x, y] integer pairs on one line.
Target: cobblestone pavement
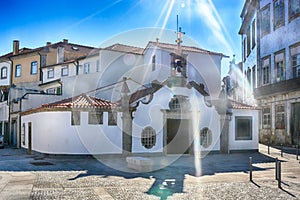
{"points": [[221, 177]]}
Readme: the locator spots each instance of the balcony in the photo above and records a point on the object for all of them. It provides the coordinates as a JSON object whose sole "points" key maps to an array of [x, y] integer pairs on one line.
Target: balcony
{"points": [[278, 88]]}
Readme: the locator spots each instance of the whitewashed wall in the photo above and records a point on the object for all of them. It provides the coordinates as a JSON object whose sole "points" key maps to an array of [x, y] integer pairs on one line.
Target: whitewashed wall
{"points": [[151, 115], [52, 133], [244, 144]]}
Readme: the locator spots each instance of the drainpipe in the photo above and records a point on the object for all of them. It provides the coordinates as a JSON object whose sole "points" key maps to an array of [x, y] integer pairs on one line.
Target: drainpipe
{"points": [[8, 100]]}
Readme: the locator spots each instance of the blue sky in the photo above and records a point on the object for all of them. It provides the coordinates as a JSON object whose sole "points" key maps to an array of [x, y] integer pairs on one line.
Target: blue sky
{"points": [[212, 24]]}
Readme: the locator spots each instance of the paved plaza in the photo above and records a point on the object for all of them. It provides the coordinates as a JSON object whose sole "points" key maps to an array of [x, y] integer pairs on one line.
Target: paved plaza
{"points": [[216, 176]]}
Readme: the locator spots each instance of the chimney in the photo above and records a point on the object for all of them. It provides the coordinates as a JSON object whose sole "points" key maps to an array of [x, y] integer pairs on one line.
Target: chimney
{"points": [[48, 44], [65, 41], [15, 47]]}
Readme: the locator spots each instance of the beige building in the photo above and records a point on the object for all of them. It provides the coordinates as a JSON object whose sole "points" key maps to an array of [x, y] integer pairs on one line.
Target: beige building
{"points": [[27, 74]]}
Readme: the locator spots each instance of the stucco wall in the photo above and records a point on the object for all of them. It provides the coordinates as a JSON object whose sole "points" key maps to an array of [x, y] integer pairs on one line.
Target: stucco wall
{"points": [[25, 61], [244, 144], [52, 133], [152, 115]]}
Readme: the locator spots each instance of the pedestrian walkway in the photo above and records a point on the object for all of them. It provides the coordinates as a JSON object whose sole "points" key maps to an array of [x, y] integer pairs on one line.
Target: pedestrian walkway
{"points": [[216, 176]]}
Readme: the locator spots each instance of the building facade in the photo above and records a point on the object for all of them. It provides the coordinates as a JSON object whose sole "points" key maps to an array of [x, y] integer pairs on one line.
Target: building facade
{"points": [[275, 77]]}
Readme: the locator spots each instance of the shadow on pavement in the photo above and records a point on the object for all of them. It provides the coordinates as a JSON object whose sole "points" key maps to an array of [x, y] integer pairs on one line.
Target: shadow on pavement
{"points": [[167, 181]]}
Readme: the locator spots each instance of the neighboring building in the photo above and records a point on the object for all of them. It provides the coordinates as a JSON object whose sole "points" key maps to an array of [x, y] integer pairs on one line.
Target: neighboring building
{"points": [[272, 67], [26, 75], [78, 125]]}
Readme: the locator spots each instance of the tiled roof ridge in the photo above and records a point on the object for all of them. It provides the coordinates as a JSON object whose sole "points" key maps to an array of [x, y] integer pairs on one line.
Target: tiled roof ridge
{"points": [[123, 45], [92, 102], [241, 105], [185, 46]]}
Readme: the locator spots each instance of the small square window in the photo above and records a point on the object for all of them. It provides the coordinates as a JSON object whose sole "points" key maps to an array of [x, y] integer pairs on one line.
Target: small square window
{"points": [[86, 69], [34, 68], [18, 70], [112, 119], [95, 117], [3, 72], [75, 118], [65, 71], [243, 128], [50, 73]]}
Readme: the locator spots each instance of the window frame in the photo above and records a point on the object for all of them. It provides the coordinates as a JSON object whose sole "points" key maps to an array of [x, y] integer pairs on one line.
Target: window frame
{"points": [[34, 64], [153, 59], [18, 69], [205, 137], [239, 137], [266, 72], [279, 116], [281, 22], [75, 117], [148, 137], [253, 32], [293, 16], [266, 118], [294, 60], [265, 30], [86, 68], [248, 35], [111, 120], [95, 117], [2, 69], [49, 72], [63, 68], [98, 66]]}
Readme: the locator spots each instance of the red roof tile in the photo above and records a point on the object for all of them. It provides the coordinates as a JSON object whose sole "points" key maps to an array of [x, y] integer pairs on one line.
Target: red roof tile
{"points": [[238, 105], [184, 48], [81, 101], [125, 48]]}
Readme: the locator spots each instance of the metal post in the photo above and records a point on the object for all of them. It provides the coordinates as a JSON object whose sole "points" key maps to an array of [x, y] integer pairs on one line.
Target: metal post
{"points": [[250, 168], [281, 153], [276, 169], [269, 147], [279, 174], [297, 151]]}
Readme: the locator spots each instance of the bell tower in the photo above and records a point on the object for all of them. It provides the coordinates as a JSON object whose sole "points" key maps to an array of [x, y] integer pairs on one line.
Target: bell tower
{"points": [[178, 63]]}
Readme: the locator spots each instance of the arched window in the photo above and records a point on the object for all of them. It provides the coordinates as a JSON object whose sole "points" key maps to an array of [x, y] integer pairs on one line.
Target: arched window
{"points": [[148, 138], [205, 137], [3, 72]]}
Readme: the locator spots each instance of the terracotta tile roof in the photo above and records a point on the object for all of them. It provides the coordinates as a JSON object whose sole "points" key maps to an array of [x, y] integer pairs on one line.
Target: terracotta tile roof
{"points": [[184, 48], [239, 105], [21, 51], [81, 101], [69, 47], [125, 48], [155, 86]]}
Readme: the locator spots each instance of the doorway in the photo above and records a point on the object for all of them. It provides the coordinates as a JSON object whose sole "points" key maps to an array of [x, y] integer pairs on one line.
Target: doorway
{"points": [[29, 138], [295, 123], [177, 136], [13, 137]]}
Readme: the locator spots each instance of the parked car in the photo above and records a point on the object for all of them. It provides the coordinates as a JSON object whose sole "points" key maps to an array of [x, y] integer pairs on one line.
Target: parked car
{"points": [[1, 141]]}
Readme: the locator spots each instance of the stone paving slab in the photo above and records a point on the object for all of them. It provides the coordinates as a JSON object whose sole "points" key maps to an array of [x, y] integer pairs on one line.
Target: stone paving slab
{"points": [[221, 177]]}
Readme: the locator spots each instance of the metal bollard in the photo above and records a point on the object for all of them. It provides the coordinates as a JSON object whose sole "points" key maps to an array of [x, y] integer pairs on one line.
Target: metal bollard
{"points": [[297, 152], [250, 168], [279, 174], [281, 153], [269, 147]]}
